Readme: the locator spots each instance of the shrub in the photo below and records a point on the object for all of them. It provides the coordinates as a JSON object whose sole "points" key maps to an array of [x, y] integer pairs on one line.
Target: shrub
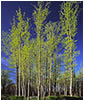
{"points": [[63, 98], [16, 97], [51, 97]]}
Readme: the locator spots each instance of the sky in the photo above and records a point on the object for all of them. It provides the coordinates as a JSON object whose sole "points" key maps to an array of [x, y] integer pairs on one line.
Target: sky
{"points": [[8, 10]]}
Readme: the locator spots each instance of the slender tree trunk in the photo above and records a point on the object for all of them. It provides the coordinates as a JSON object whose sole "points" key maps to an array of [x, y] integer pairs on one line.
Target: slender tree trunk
{"points": [[39, 85], [16, 80], [19, 74], [28, 90], [22, 90], [33, 91], [55, 77], [71, 77], [50, 75], [39, 89], [59, 89], [65, 88], [46, 71]]}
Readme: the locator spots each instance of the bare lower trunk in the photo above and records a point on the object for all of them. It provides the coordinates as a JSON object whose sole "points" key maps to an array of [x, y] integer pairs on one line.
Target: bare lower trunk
{"points": [[28, 90], [19, 83], [19, 74], [71, 77], [46, 72], [39, 89], [71, 83], [55, 77], [60, 91], [39, 85], [65, 88], [16, 80], [50, 76], [22, 91]]}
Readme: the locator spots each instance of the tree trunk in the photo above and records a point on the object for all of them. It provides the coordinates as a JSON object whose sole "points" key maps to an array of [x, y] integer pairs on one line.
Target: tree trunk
{"points": [[28, 90], [39, 85], [16, 80], [46, 71], [55, 77], [65, 88], [19, 74], [50, 76], [59, 86], [71, 77], [39, 88], [22, 90]]}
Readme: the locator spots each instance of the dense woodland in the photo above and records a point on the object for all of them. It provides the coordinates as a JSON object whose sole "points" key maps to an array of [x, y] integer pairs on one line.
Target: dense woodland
{"points": [[45, 65]]}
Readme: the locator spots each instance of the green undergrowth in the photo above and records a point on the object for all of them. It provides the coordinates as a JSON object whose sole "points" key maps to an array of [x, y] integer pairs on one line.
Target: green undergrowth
{"points": [[16, 98], [63, 98], [59, 98], [47, 98]]}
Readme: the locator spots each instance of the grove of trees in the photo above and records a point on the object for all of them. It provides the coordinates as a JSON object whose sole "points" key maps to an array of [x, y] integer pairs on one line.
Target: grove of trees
{"points": [[45, 65]]}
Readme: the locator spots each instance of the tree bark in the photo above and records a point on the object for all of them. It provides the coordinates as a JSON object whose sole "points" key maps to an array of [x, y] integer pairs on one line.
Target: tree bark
{"points": [[39, 90], [16, 80], [55, 77], [46, 71], [65, 88], [23, 88], [71, 77], [28, 90], [19, 75], [59, 89], [39, 85], [50, 75]]}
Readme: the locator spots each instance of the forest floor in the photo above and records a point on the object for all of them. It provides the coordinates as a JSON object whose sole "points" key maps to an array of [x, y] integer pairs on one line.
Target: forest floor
{"points": [[47, 98], [59, 98]]}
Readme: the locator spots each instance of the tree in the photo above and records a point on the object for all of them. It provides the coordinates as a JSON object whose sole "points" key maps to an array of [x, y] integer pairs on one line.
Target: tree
{"points": [[18, 32], [40, 15], [53, 39], [13, 58], [68, 17]]}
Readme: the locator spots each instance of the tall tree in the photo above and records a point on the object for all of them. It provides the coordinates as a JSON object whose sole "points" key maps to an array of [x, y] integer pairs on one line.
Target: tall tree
{"points": [[68, 17], [40, 14], [13, 58], [53, 39]]}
